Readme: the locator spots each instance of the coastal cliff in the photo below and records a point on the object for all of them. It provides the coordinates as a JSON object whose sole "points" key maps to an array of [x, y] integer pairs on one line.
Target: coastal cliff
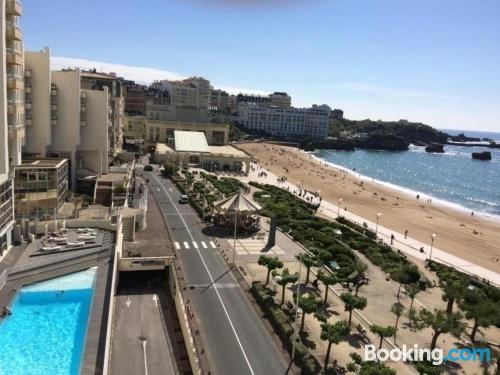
{"points": [[381, 141]]}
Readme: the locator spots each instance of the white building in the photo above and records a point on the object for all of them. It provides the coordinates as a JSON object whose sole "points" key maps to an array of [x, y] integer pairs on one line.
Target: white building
{"points": [[11, 112], [285, 122], [64, 120]]}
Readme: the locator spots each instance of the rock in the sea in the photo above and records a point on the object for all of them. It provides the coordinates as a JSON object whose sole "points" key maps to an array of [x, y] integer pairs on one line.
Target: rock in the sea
{"points": [[435, 147], [380, 141], [485, 155]]}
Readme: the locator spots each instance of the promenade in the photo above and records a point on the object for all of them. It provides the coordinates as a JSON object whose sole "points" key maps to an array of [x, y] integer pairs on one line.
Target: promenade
{"points": [[409, 246]]}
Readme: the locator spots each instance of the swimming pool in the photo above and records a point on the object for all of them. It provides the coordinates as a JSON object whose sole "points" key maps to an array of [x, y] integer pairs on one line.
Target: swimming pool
{"points": [[46, 332]]}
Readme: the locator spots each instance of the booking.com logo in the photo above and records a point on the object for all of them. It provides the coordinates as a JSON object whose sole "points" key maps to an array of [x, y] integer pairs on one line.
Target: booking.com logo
{"points": [[435, 356]]}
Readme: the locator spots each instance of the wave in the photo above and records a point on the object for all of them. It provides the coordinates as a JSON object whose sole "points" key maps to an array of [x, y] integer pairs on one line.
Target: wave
{"points": [[412, 193]]}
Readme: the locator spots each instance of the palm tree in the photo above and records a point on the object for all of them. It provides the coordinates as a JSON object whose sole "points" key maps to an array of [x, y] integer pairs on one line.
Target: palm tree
{"points": [[271, 263], [333, 333], [308, 261], [397, 309], [352, 302], [284, 279], [327, 280]]}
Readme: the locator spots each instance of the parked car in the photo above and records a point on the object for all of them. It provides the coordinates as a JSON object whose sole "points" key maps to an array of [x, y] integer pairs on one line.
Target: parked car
{"points": [[184, 199], [148, 168]]}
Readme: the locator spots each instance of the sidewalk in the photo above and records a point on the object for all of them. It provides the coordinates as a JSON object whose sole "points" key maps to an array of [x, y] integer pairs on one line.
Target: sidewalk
{"points": [[408, 246]]}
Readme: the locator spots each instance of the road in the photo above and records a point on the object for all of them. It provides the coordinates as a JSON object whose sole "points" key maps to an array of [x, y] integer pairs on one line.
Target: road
{"points": [[234, 335], [139, 344]]}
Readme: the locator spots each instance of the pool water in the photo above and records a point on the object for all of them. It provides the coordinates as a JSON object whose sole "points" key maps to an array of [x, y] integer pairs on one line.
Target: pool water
{"points": [[46, 332]]}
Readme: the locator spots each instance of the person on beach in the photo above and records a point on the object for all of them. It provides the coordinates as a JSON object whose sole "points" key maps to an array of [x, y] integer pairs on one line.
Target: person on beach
{"points": [[406, 233], [392, 239]]}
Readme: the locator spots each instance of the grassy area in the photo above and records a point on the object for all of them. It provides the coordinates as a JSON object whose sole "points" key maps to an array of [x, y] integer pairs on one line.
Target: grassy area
{"points": [[226, 185], [331, 241]]}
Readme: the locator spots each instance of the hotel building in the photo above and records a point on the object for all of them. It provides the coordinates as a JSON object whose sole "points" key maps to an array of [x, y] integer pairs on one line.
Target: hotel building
{"points": [[285, 122], [11, 112]]}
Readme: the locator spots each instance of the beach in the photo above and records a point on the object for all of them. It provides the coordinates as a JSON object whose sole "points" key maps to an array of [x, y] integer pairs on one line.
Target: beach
{"points": [[473, 238]]}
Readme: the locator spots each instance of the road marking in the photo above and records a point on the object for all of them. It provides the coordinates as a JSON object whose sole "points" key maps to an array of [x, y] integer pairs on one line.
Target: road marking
{"points": [[195, 245], [155, 299], [128, 302], [145, 359], [211, 279], [177, 245], [186, 245], [170, 189], [214, 246], [204, 244]]}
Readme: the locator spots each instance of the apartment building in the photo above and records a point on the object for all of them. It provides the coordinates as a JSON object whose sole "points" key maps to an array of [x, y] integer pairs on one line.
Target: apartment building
{"points": [[135, 96], [285, 122], [186, 100], [276, 99], [65, 120], [219, 102], [11, 112], [92, 80]]}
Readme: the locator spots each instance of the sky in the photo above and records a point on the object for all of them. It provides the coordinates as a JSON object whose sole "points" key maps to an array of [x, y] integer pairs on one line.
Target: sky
{"points": [[436, 62]]}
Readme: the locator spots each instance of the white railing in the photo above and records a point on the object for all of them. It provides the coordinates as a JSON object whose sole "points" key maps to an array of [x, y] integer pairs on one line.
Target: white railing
{"points": [[3, 277]]}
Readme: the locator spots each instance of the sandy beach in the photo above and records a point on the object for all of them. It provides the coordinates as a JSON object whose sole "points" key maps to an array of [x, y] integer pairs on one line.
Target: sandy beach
{"points": [[476, 239]]}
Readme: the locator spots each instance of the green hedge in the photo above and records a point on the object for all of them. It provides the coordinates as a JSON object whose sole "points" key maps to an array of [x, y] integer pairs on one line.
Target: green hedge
{"points": [[283, 328]]}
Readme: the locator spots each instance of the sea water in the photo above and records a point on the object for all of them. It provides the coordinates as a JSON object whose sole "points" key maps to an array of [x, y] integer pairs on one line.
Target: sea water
{"points": [[453, 177]]}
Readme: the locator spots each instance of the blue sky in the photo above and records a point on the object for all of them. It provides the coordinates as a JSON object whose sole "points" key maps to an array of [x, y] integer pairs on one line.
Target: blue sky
{"points": [[432, 61]]}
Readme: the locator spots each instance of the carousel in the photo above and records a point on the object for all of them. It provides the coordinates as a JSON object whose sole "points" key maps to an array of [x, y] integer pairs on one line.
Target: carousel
{"points": [[237, 212]]}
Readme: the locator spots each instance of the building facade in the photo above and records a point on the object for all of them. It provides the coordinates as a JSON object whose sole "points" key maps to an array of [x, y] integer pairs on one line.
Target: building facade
{"points": [[286, 122], [11, 112], [135, 96], [40, 187], [135, 127], [64, 120]]}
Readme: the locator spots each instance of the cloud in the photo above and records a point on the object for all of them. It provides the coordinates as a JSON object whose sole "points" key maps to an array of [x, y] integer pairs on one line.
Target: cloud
{"points": [[143, 75], [367, 88]]}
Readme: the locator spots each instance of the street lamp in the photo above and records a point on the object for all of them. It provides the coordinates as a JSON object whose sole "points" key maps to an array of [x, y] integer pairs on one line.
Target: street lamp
{"points": [[433, 238], [234, 243], [296, 331], [338, 206], [376, 227]]}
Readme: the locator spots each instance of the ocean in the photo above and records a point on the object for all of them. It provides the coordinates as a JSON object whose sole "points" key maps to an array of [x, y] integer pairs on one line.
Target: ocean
{"points": [[453, 178]]}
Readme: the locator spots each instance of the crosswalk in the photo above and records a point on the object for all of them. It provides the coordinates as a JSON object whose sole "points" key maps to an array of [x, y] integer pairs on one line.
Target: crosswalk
{"points": [[186, 245]]}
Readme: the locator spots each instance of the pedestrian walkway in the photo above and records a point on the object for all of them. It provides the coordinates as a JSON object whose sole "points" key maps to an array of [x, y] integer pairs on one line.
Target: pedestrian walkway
{"points": [[407, 245], [187, 245]]}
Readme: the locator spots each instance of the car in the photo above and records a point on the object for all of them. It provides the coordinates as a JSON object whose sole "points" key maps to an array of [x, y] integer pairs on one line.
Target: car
{"points": [[183, 199], [148, 168]]}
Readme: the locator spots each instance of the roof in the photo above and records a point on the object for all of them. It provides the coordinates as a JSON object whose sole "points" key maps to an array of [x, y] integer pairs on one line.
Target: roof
{"points": [[227, 151], [190, 141], [41, 163], [237, 202]]}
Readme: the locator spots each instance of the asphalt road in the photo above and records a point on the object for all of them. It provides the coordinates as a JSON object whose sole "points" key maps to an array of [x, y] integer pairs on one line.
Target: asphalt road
{"points": [[236, 340]]}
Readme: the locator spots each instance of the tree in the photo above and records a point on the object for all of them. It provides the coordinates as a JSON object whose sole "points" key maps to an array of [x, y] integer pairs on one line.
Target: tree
{"points": [[308, 305], [352, 302], [327, 280], [412, 290], [333, 333], [453, 290], [271, 263], [481, 309], [361, 367], [397, 309], [308, 261], [382, 332], [284, 279], [360, 268], [405, 274], [440, 322]]}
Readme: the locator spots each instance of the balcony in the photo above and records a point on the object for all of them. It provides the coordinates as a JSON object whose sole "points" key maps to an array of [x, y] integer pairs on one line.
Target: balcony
{"points": [[27, 89], [14, 56], [27, 104], [53, 122], [28, 122], [14, 82], [53, 106], [13, 31], [27, 72], [83, 122], [14, 8]]}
